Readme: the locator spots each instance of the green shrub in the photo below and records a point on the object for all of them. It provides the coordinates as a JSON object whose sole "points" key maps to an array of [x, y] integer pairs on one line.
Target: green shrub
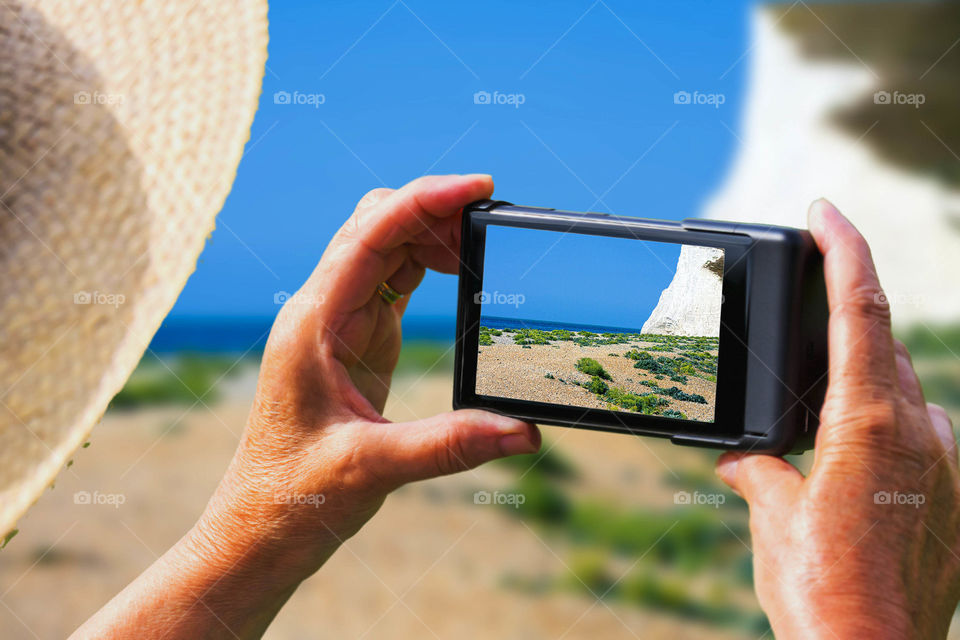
{"points": [[179, 381], [648, 404], [548, 376], [485, 340], [676, 393], [591, 367], [548, 462], [596, 385]]}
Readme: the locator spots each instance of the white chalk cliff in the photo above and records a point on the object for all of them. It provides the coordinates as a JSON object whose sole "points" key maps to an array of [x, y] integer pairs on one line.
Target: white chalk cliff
{"points": [[690, 305], [791, 154]]}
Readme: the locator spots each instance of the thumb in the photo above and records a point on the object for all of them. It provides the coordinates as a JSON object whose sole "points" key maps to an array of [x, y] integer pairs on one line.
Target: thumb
{"points": [[763, 481], [447, 443]]}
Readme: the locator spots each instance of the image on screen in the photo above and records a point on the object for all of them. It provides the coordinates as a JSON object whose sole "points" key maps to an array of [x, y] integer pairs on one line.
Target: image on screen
{"points": [[599, 322]]}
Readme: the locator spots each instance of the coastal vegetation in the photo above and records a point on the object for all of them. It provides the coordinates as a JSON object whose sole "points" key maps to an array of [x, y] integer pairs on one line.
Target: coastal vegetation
{"points": [[591, 367], [676, 372]]}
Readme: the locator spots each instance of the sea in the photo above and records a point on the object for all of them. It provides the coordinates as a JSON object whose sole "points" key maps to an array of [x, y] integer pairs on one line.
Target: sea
{"points": [[496, 322], [239, 335]]}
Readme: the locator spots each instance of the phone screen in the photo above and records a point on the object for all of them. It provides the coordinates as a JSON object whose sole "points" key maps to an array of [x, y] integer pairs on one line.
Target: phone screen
{"points": [[600, 322]]}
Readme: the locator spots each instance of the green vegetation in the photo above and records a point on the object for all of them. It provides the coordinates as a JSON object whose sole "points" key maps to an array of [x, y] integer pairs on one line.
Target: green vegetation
{"points": [[686, 561], [933, 342], [649, 404], [674, 392], [182, 380], [715, 266], [596, 385], [548, 462], [7, 538], [417, 356], [691, 363], [591, 367], [898, 41]]}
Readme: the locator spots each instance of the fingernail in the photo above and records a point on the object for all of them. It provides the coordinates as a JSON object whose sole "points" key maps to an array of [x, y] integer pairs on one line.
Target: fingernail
{"points": [[515, 444], [506, 425], [727, 466]]}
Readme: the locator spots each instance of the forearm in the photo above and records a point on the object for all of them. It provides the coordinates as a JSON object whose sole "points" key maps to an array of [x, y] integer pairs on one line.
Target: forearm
{"points": [[206, 586]]}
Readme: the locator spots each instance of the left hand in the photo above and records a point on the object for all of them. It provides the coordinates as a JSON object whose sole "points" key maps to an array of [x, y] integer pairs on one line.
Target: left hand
{"points": [[316, 427], [317, 457]]}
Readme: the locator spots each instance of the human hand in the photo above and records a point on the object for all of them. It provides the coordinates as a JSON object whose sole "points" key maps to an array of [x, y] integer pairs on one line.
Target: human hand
{"points": [[316, 427], [868, 544]]}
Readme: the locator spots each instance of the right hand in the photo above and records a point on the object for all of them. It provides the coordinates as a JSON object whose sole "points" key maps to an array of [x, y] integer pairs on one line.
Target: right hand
{"points": [[868, 545]]}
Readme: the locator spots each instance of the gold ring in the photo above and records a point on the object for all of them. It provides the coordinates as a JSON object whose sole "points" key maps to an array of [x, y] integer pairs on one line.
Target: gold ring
{"points": [[388, 293]]}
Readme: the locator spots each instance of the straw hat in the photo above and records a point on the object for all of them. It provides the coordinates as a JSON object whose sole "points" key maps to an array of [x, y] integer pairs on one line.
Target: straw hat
{"points": [[121, 127]]}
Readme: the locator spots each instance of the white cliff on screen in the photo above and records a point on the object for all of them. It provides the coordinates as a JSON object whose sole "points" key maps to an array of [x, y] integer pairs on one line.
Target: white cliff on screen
{"points": [[690, 305]]}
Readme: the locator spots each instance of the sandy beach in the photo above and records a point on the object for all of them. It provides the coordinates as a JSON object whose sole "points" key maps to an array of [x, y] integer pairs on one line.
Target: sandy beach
{"points": [[548, 373], [432, 563]]}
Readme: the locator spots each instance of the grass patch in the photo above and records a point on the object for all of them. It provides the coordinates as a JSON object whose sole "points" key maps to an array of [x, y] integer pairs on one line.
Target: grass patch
{"points": [[548, 462], [418, 356], [178, 381], [591, 367], [597, 386]]}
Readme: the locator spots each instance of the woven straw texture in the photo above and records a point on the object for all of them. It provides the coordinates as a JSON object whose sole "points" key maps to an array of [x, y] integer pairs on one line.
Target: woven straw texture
{"points": [[121, 127]]}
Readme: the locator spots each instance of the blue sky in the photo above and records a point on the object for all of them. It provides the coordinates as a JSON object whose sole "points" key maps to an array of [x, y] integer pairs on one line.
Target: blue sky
{"points": [[598, 128], [573, 278]]}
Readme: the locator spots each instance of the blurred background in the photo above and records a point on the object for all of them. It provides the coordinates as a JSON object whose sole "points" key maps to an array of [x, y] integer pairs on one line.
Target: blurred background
{"points": [[736, 110]]}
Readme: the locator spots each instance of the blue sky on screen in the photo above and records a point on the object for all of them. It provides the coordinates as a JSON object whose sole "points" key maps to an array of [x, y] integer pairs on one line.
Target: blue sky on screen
{"points": [[597, 129], [574, 278]]}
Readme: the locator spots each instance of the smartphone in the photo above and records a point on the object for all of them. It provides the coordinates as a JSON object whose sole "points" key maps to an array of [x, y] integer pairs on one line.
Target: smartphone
{"points": [[709, 333]]}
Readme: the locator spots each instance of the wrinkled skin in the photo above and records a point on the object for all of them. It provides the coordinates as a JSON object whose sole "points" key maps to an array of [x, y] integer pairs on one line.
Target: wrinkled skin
{"points": [[830, 562], [317, 458], [830, 559]]}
